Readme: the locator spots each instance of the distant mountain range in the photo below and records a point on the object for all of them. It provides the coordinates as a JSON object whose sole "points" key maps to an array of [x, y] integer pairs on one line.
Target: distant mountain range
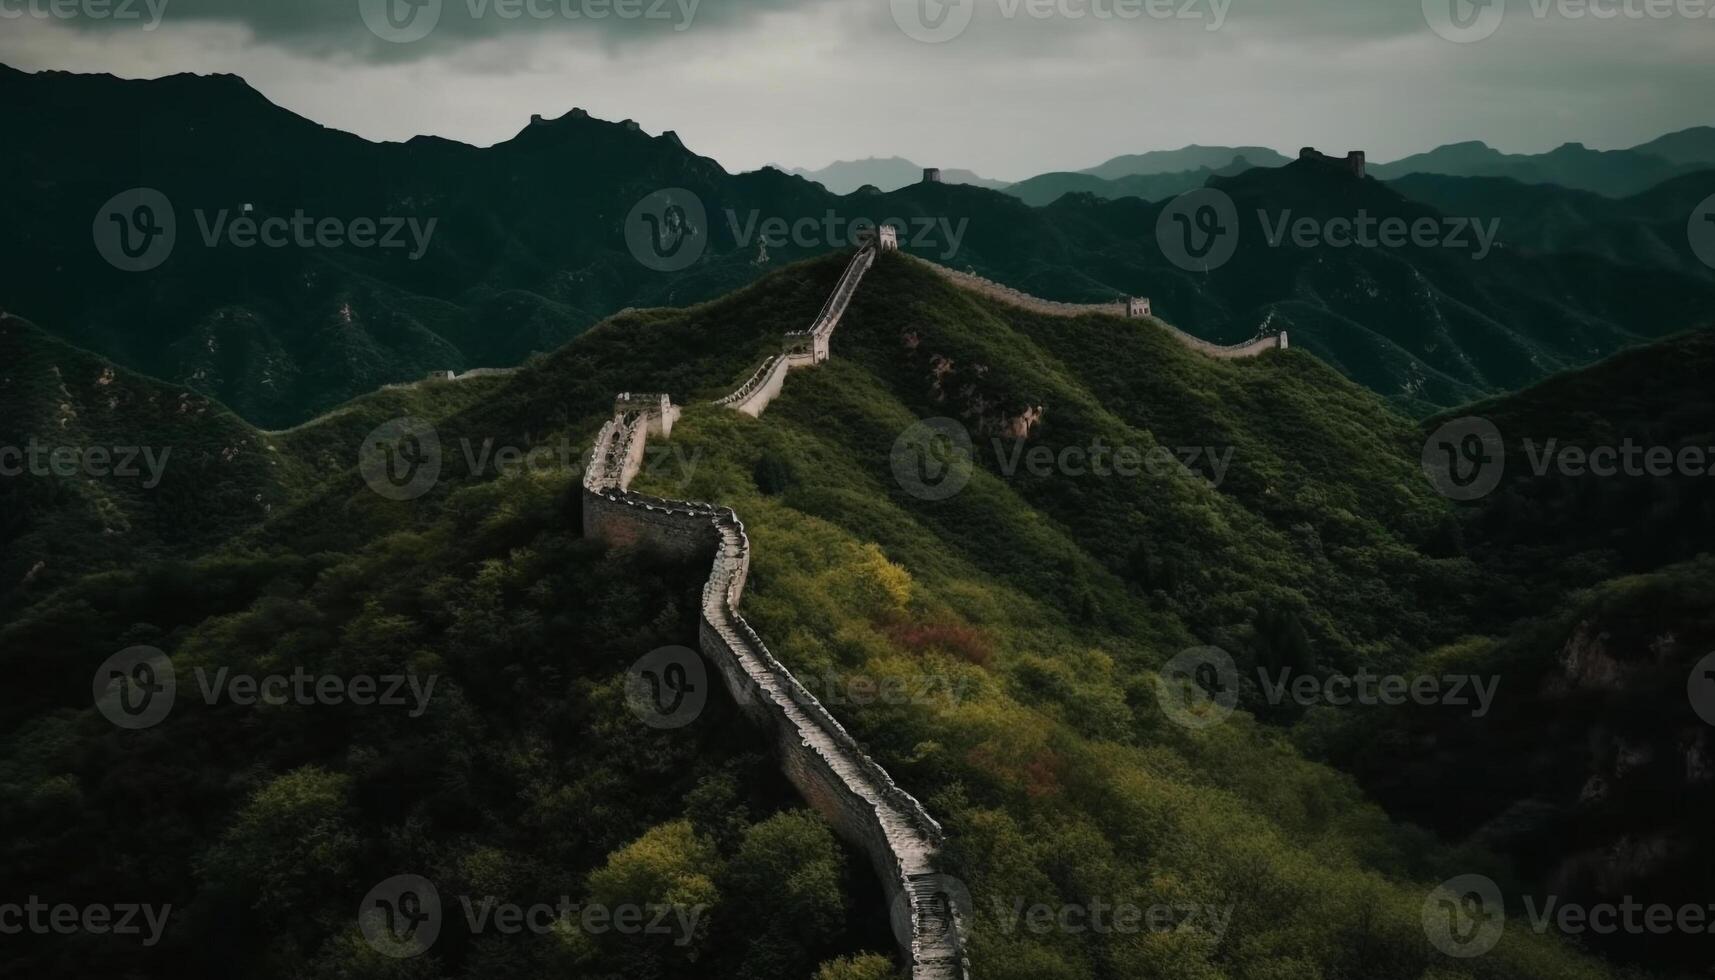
{"points": [[1161, 174], [1615, 173], [1191, 157], [530, 250], [885, 174], [1048, 188]]}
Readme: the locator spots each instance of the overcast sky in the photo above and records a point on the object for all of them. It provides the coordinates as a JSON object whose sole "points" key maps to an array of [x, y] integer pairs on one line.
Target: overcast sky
{"points": [[1025, 86]]}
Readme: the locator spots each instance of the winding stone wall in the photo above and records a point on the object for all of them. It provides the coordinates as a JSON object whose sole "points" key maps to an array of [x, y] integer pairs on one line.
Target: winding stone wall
{"points": [[800, 348], [821, 759], [1119, 308]]}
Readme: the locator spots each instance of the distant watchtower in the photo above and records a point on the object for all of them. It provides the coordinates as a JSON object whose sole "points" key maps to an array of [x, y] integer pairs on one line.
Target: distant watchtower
{"points": [[1354, 162], [931, 175], [885, 238], [1137, 307]]}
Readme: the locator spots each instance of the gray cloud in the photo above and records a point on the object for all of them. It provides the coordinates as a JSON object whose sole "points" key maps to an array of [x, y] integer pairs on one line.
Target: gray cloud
{"points": [[339, 29], [803, 82]]}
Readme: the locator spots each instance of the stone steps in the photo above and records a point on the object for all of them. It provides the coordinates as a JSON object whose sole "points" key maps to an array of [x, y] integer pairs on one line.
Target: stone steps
{"points": [[912, 836]]}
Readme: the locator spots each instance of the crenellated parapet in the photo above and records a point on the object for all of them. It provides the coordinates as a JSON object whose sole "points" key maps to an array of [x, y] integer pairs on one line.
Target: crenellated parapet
{"points": [[801, 348], [827, 766], [1131, 308]]}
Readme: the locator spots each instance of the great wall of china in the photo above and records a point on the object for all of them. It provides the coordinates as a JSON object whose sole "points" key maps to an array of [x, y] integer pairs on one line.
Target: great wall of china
{"points": [[821, 759], [1119, 307]]}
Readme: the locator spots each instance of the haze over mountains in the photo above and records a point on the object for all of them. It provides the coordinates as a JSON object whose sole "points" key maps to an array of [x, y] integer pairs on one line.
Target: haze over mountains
{"points": [[528, 249], [1614, 173], [1035, 609]]}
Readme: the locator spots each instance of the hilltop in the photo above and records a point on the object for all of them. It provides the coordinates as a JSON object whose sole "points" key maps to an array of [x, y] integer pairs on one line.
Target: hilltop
{"points": [[1031, 608], [528, 249]]}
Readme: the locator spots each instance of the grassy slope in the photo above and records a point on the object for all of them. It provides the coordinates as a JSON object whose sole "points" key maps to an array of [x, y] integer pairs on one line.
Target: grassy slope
{"points": [[527, 773], [1041, 744]]}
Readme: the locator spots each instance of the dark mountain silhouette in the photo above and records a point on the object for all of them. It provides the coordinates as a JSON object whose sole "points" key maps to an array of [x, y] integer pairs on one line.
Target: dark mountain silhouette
{"points": [[1646, 229], [529, 249], [1191, 157], [1615, 173], [885, 173], [1048, 188]]}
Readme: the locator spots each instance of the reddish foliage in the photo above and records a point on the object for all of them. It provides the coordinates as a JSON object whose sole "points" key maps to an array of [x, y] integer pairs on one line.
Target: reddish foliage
{"points": [[956, 639]]}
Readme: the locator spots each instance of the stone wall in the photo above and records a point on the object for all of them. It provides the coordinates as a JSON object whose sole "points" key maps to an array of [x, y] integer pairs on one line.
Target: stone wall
{"points": [[800, 348], [1120, 308], [823, 762]]}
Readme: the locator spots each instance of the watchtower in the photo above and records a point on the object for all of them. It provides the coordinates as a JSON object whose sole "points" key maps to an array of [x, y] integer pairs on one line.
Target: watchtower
{"points": [[1137, 307], [931, 175], [1354, 162], [657, 410]]}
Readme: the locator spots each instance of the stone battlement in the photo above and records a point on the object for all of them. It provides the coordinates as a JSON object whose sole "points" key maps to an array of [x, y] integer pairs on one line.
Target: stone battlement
{"points": [[1353, 162], [801, 348], [1134, 308], [821, 759]]}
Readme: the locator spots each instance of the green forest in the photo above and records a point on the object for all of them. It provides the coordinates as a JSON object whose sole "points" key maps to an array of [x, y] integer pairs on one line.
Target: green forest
{"points": [[1028, 617]]}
